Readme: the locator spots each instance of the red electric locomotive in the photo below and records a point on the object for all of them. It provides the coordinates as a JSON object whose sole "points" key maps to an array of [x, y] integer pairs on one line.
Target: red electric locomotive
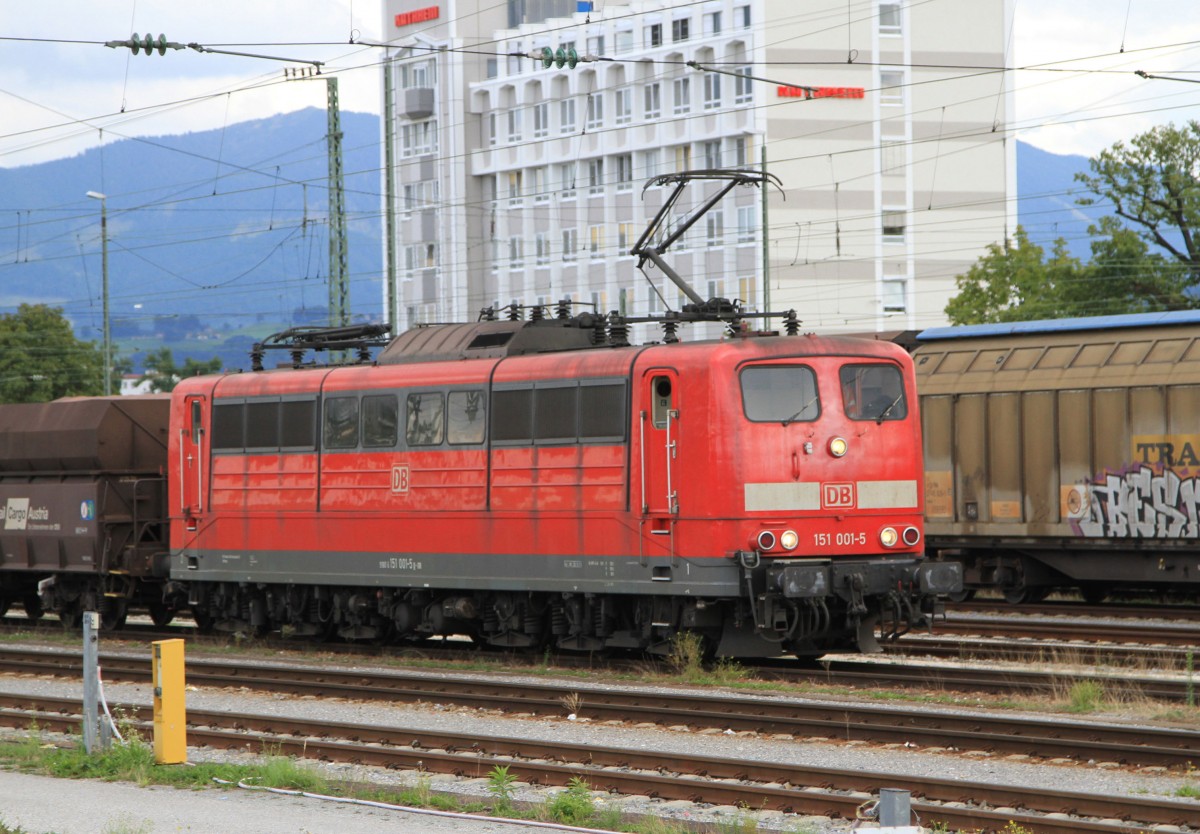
{"points": [[762, 490]]}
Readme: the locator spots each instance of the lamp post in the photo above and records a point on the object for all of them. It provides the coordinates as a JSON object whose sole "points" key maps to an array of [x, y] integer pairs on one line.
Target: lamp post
{"points": [[103, 198]]}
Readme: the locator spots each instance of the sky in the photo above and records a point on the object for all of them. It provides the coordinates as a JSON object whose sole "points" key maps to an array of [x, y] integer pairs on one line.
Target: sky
{"points": [[58, 99]]}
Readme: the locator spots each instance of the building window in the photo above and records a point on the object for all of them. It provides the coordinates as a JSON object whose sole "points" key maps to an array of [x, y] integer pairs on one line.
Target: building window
{"points": [[541, 120], [712, 23], [889, 19], [430, 255], [743, 89], [741, 16], [566, 179], [514, 125], [892, 225], [714, 228], [515, 190], [595, 45], [516, 252], [653, 302], [891, 87], [515, 54], [748, 291], [566, 115], [626, 237], [651, 163], [737, 150], [596, 176], [493, 68], [891, 155], [623, 41], [712, 90], [491, 123], [542, 246], [895, 291], [683, 95], [679, 30], [595, 111], [654, 35], [623, 106], [570, 244], [410, 197], [683, 158], [747, 220], [712, 154], [624, 164], [653, 100], [538, 185], [716, 288], [596, 241]]}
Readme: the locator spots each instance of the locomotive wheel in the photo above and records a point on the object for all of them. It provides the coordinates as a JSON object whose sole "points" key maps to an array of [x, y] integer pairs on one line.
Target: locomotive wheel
{"points": [[965, 595], [161, 614], [204, 621], [1094, 594], [32, 603], [114, 618], [1023, 594], [71, 614]]}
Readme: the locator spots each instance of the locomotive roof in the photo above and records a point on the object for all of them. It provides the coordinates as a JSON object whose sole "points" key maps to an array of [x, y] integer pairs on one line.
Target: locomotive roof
{"points": [[1175, 317], [484, 339]]}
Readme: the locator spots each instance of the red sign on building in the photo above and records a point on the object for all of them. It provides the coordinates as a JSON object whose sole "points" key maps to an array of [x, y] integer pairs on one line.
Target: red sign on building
{"points": [[821, 92], [418, 16]]}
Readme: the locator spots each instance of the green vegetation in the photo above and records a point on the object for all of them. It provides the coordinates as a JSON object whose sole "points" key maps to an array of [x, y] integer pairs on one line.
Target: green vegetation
{"points": [[1086, 696], [41, 360], [687, 659], [163, 374], [1145, 257], [574, 806], [502, 785]]}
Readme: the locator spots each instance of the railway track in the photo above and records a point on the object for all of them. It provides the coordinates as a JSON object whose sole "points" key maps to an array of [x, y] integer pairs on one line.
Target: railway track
{"points": [[1165, 634], [921, 727], [784, 787], [1112, 610]]}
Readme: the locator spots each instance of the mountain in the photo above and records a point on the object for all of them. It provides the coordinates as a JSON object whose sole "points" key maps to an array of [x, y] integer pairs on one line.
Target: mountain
{"points": [[216, 238], [1047, 193]]}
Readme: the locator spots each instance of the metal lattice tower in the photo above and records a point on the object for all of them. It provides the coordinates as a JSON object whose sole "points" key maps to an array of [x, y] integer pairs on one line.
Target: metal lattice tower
{"points": [[339, 286]]}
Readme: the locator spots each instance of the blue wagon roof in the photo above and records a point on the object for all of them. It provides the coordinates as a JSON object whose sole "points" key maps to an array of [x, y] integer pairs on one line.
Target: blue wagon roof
{"points": [[1060, 325]]}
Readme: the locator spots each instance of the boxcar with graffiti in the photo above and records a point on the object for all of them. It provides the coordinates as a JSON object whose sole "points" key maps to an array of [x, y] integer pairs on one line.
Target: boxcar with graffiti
{"points": [[1064, 454]]}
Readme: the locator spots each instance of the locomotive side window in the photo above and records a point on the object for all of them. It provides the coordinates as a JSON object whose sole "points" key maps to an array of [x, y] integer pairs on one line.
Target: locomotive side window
{"points": [[603, 413], [426, 425], [555, 414], [465, 417], [341, 423], [197, 421], [662, 401], [262, 425], [379, 420], [873, 392], [299, 424], [512, 415], [780, 394], [228, 426]]}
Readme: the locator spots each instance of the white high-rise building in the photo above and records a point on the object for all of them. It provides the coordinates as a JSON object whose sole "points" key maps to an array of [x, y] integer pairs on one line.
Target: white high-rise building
{"points": [[513, 182]]}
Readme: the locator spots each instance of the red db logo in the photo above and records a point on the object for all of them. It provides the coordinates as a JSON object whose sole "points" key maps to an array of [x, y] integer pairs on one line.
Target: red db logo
{"points": [[400, 479], [837, 496]]}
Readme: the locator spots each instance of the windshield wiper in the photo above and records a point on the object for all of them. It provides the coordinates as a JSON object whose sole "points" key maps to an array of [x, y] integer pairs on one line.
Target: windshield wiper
{"points": [[803, 409], [883, 414]]}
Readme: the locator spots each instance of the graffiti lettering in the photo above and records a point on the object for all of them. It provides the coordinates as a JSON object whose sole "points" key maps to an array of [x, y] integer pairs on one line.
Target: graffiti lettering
{"points": [[1167, 454], [1140, 504]]}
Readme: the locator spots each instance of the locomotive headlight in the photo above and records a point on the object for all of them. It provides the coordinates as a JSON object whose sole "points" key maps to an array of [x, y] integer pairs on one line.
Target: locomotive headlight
{"points": [[788, 539], [911, 536], [766, 540], [837, 447], [888, 537]]}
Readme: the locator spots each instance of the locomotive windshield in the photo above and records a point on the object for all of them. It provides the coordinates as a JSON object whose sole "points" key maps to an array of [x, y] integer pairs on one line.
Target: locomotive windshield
{"points": [[873, 392], [780, 393]]}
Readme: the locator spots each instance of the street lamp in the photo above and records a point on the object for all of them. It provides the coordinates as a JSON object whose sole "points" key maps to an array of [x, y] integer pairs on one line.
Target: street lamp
{"points": [[103, 198]]}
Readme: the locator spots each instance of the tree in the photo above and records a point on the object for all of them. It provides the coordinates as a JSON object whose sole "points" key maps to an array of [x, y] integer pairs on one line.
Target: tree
{"points": [[1013, 283], [41, 360], [163, 374], [1154, 183]]}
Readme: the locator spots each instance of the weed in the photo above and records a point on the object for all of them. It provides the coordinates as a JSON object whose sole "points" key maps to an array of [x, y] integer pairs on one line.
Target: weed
{"points": [[574, 806], [1014, 828], [687, 655], [1085, 696], [1190, 668], [741, 822], [1188, 792], [502, 785], [124, 824], [572, 702]]}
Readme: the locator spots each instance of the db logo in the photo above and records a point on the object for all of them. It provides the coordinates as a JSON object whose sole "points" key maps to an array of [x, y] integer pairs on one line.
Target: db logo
{"points": [[837, 496], [400, 479]]}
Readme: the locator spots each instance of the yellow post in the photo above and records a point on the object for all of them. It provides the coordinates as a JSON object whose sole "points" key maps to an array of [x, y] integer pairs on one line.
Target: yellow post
{"points": [[170, 716]]}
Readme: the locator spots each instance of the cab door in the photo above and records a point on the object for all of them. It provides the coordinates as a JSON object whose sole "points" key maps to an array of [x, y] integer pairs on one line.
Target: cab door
{"points": [[193, 453], [660, 447]]}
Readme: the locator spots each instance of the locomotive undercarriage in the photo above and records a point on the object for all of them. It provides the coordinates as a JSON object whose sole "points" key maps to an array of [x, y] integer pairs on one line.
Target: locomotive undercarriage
{"points": [[770, 625]]}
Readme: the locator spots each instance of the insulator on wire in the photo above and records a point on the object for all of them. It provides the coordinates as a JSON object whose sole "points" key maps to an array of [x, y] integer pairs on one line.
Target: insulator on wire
{"points": [[791, 324]]}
